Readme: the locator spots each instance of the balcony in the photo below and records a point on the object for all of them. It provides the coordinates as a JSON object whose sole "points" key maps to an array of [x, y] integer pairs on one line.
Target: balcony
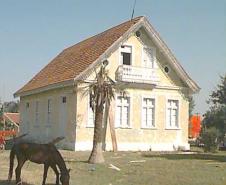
{"points": [[126, 73]]}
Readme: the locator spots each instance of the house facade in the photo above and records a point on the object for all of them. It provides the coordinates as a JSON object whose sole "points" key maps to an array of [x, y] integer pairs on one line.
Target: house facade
{"points": [[152, 115]]}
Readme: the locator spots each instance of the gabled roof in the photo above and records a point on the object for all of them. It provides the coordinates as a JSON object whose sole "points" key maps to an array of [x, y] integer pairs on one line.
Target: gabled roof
{"points": [[76, 61], [13, 117]]}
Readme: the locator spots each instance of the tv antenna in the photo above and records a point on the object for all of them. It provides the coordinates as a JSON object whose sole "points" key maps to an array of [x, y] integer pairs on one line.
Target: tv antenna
{"points": [[134, 5]]}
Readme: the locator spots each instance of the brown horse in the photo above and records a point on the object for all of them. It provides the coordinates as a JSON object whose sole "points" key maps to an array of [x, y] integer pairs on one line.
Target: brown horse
{"points": [[46, 154]]}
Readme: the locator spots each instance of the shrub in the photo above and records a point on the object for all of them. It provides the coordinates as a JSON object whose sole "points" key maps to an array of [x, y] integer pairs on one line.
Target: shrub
{"points": [[209, 139]]}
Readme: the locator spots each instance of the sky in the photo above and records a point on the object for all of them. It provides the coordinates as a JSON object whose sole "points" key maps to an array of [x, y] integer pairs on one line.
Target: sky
{"points": [[32, 33]]}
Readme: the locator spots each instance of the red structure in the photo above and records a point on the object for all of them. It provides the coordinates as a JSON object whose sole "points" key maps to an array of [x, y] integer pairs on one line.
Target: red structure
{"points": [[7, 133], [194, 126]]}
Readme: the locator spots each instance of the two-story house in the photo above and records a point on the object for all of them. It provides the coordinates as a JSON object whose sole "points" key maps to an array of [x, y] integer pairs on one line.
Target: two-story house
{"points": [[152, 116]]}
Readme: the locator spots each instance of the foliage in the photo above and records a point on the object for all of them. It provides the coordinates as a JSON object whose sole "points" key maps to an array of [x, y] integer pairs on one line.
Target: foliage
{"points": [[191, 105], [216, 115], [101, 91], [11, 106], [209, 139], [218, 97]]}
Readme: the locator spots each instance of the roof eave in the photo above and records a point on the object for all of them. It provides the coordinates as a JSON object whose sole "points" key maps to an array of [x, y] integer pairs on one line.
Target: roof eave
{"points": [[66, 83], [171, 58], [109, 51]]}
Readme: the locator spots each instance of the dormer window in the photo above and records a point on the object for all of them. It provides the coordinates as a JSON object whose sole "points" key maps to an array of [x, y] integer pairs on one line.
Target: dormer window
{"points": [[126, 55]]}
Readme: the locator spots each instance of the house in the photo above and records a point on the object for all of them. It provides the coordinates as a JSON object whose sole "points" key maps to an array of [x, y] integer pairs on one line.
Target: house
{"points": [[11, 121], [152, 116]]}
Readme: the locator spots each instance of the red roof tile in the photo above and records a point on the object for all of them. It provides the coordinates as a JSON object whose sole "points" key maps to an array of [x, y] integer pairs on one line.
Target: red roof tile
{"points": [[75, 59]]}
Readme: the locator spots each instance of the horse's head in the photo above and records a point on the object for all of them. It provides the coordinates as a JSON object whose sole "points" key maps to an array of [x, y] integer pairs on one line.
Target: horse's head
{"points": [[65, 177]]}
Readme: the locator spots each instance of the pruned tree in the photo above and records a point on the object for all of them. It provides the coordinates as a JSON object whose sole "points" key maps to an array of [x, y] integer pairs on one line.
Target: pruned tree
{"points": [[101, 92]]}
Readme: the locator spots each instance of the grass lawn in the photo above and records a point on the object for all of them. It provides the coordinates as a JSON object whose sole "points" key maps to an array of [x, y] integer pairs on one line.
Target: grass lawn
{"points": [[149, 168]]}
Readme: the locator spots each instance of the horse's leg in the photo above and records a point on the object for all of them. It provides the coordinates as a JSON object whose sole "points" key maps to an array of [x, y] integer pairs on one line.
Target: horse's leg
{"points": [[46, 167], [56, 172], [21, 162]]}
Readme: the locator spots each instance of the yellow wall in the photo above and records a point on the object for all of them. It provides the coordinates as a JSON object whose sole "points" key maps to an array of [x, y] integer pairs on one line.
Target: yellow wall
{"points": [[134, 138], [167, 88], [38, 132]]}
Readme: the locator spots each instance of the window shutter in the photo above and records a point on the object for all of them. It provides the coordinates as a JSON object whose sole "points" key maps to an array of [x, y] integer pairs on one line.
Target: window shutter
{"points": [[149, 57]]}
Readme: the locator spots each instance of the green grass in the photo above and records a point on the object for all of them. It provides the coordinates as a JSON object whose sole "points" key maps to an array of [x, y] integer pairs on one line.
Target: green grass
{"points": [[153, 169]]}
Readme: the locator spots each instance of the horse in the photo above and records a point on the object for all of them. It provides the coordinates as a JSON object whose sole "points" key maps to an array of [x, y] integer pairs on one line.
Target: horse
{"points": [[46, 154]]}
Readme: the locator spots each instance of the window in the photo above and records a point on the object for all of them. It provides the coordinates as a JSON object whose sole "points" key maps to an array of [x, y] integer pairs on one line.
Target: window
{"points": [[49, 111], [122, 112], [26, 118], [148, 113], [36, 112], [126, 55], [64, 99], [27, 105], [149, 57], [90, 121], [172, 114]]}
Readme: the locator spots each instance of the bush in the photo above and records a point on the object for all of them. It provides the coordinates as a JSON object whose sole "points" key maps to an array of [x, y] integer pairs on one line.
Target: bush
{"points": [[209, 139]]}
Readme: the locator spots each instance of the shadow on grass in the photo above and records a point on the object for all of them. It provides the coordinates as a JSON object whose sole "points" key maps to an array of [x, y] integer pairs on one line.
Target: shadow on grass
{"points": [[5, 182], [218, 158], [76, 161]]}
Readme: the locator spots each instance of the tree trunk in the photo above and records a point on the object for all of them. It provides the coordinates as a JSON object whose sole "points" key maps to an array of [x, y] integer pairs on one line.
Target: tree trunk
{"points": [[105, 122], [96, 155], [112, 131]]}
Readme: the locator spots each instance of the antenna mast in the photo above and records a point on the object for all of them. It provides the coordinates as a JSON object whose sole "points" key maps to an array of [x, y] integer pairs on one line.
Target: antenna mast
{"points": [[133, 8]]}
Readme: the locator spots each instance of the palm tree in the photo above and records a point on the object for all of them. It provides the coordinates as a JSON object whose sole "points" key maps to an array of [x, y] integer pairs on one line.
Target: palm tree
{"points": [[101, 92]]}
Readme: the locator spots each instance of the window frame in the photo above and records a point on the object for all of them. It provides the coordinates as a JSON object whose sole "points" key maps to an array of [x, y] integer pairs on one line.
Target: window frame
{"points": [[174, 127], [37, 112], [89, 109], [154, 65], [49, 111], [26, 116], [132, 54], [154, 112], [119, 125]]}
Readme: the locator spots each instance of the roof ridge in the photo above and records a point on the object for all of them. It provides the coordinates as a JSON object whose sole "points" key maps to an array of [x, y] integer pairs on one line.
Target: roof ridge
{"points": [[73, 60], [96, 35]]}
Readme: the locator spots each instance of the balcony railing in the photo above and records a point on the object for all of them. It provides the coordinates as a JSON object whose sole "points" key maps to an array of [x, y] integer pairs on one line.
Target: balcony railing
{"points": [[126, 73]]}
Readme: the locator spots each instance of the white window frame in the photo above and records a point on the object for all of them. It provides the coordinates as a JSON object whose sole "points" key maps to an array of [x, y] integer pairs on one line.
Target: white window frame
{"points": [[90, 112], [37, 112], [26, 126], [132, 53], [154, 65], [173, 127], [49, 110], [145, 126], [129, 124]]}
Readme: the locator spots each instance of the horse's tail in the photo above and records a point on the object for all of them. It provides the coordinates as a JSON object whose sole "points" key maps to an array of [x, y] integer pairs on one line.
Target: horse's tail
{"points": [[12, 156]]}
